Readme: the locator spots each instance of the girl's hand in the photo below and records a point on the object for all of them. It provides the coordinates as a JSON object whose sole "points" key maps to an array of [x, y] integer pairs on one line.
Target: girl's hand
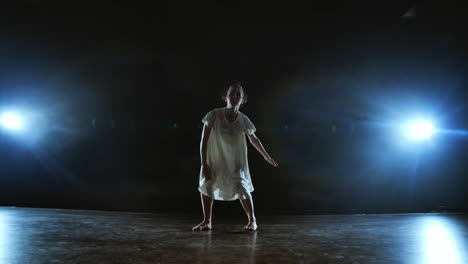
{"points": [[206, 171], [271, 161]]}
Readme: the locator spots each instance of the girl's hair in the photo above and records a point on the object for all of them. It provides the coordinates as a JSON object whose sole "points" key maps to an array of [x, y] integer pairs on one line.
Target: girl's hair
{"points": [[234, 86]]}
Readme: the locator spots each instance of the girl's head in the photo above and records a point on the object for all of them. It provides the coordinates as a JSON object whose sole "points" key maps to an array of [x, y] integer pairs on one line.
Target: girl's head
{"points": [[235, 95]]}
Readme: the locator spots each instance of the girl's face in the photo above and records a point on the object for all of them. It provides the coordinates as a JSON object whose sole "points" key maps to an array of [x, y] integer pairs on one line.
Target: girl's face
{"points": [[234, 97]]}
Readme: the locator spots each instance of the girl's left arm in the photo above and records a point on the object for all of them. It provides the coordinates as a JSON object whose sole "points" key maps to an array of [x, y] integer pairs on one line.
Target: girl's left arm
{"points": [[255, 141]]}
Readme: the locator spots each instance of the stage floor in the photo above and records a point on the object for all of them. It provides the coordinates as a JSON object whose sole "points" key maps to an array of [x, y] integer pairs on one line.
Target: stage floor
{"points": [[74, 236]]}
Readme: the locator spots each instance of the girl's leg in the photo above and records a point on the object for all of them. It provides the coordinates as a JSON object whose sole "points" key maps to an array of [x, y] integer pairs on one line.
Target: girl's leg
{"points": [[249, 210], [207, 205]]}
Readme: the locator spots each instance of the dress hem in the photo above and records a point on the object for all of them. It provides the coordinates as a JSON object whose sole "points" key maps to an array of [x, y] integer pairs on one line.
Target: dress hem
{"points": [[224, 200]]}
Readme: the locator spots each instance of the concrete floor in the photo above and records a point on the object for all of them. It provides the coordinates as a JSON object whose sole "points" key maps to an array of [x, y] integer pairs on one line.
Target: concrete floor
{"points": [[73, 236]]}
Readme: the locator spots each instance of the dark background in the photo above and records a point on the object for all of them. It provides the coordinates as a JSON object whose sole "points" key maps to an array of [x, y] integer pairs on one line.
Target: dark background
{"points": [[116, 94]]}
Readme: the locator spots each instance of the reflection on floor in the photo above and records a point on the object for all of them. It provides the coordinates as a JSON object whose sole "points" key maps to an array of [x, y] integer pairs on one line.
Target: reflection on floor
{"points": [[73, 236]]}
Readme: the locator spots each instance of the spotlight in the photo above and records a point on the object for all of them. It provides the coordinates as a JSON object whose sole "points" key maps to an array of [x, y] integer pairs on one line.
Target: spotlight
{"points": [[11, 121], [419, 130]]}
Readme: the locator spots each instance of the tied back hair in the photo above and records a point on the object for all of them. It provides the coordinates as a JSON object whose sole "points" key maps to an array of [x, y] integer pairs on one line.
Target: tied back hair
{"points": [[234, 86]]}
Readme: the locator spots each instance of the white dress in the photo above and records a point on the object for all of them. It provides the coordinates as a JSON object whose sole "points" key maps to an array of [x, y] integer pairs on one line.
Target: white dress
{"points": [[226, 155]]}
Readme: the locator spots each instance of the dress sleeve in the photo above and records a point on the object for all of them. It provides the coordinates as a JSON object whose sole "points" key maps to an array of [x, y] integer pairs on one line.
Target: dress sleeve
{"points": [[210, 118], [249, 127]]}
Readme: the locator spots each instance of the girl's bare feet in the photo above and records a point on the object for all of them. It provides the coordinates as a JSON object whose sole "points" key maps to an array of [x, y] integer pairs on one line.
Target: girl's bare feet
{"points": [[203, 226], [251, 226]]}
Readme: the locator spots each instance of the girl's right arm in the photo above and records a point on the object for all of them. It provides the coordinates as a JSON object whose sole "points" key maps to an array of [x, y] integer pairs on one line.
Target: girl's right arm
{"points": [[203, 147]]}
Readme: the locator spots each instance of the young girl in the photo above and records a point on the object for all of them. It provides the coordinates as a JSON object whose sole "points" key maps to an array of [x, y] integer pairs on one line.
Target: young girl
{"points": [[224, 173]]}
